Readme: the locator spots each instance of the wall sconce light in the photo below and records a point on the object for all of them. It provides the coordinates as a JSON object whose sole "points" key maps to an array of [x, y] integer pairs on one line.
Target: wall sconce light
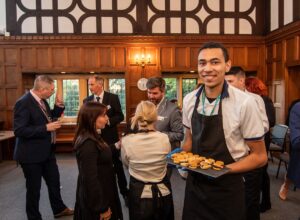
{"points": [[142, 60]]}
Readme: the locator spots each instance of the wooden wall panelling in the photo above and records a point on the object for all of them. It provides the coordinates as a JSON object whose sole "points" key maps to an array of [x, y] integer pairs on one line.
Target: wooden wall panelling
{"points": [[279, 74], [278, 51], [182, 57], [74, 58], [167, 58], [12, 95], [293, 87], [2, 80], [59, 58], [194, 51], [90, 58], [119, 57], [269, 72], [28, 58], [239, 56], [110, 55], [2, 98], [297, 39], [2, 115], [105, 56], [269, 53], [12, 76], [1, 56], [2, 73], [135, 72], [10, 56], [230, 53], [253, 57], [291, 49], [44, 58], [27, 81], [151, 70]]}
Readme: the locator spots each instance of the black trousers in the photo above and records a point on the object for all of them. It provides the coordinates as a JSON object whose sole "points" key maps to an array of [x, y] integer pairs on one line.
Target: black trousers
{"points": [[252, 193], [265, 188], [33, 173], [119, 171]]}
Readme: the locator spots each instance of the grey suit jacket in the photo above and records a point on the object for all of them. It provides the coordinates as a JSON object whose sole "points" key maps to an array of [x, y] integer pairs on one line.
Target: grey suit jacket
{"points": [[170, 122]]}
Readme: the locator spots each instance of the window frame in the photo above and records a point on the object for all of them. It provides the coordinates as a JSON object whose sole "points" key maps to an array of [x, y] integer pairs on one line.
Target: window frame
{"points": [[179, 78], [83, 87]]}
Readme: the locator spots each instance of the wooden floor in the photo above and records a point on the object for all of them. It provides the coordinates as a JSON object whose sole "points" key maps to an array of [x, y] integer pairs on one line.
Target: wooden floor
{"points": [[12, 193]]}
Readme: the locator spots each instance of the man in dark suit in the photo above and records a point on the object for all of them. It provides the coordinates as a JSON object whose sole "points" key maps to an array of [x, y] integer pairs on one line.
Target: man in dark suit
{"points": [[110, 132], [34, 128]]}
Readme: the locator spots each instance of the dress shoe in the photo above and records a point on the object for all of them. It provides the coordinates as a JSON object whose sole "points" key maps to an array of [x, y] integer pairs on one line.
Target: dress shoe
{"points": [[283, 192], [67, 211]]}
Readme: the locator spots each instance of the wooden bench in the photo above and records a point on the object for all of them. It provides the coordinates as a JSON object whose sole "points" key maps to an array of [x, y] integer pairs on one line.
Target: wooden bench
{"points": [[7, 139], [64, 138]]}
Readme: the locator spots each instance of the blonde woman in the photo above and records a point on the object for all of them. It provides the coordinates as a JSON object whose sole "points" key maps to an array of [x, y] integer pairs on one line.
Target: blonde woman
{"points": [[144, 153]]}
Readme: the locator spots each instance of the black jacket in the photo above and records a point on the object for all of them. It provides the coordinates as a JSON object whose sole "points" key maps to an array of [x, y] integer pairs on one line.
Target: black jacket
{"points": [[115, 115], [33, 141]]}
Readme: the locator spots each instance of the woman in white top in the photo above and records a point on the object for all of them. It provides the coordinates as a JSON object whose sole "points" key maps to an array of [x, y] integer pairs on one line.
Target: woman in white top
{"points": [[144, 153]]}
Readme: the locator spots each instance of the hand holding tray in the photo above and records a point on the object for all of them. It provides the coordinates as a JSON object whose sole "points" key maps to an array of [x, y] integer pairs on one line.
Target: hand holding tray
{"points": [[196, 163], [208, 172]]}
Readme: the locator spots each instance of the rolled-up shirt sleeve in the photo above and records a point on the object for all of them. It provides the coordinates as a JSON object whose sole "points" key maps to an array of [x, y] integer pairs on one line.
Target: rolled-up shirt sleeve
{"points": [[251, 122]]}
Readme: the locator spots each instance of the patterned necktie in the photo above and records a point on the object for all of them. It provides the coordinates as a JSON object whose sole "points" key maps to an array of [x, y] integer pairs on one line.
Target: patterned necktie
{"points": [[98, 99], [53, 133], [43, 106]]}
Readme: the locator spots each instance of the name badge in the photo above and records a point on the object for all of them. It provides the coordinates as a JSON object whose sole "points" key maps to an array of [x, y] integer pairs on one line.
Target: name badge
{"points": [[160, 118]]}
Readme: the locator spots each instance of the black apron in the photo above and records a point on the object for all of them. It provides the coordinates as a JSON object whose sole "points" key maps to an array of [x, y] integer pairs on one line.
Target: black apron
{"points": [[207, 198], [156, 208]]}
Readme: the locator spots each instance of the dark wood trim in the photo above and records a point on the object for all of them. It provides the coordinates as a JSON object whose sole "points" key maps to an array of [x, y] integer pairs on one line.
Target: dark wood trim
{"points": [[293, 63], [55, 18], [296, 10], [142, 17], [280, 13], [284, 32], [92, 40], [38, 17], [263, 16], [141, 25], [11, 23], [222, 8]]}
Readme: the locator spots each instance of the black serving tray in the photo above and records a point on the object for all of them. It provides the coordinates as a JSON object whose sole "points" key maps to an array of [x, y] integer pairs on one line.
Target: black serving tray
{"points": [[208, 172]]}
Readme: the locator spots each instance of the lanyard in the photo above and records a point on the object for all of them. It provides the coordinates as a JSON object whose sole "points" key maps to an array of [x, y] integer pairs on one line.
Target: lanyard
{"points": [[203, 101], [44, 110]]}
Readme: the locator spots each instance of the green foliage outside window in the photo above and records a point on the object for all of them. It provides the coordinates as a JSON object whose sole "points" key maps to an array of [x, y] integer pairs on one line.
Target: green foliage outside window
{"points": [[71, 97], [171, 88], [188, 85], [117, 86], [51, 100]]}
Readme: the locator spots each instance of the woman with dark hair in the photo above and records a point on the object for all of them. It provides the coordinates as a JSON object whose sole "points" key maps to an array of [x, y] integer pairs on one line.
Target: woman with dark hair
{"points": [[255, 85], [97, 194], [144, 153]]}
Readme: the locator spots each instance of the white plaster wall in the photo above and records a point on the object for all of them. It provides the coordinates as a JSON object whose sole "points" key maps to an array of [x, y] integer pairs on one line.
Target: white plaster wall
{"points": [[274, 15], [288, 11], [2, 16]]}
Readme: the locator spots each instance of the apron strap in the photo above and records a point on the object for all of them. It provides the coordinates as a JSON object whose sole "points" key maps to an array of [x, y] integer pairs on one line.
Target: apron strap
{"points": [[157, 196]]}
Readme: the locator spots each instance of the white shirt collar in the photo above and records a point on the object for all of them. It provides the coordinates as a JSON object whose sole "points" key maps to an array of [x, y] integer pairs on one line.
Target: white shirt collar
{"points": [[161, 101], [101, 97], [38, 99]]}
